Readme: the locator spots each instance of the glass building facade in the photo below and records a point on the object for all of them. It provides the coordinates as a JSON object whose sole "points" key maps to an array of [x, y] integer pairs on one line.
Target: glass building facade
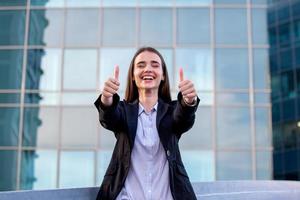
{"points": [[284, 34], [56, 54]]}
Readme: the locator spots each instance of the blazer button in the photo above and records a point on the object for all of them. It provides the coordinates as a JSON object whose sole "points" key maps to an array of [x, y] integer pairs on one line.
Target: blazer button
{"points": [[168, 153]]}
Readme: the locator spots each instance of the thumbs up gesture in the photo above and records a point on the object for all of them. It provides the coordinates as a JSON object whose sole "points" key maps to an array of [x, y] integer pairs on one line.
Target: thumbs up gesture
{"points": [[111, 86], [187, 89]]}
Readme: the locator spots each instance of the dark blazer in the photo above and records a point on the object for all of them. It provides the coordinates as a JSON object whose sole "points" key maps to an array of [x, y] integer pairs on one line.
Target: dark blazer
{"points": [[173, 119]]}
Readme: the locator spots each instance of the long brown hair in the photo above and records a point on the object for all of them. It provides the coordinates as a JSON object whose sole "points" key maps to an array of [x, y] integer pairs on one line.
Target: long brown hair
{"points": [[131, 93]]}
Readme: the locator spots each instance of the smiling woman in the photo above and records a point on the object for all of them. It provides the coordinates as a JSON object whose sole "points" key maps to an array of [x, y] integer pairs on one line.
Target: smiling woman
{"points": [[146, 162]]}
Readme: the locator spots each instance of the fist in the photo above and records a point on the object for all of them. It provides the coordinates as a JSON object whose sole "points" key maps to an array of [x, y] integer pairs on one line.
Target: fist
{"points": [[187, 89], [111, 87]]}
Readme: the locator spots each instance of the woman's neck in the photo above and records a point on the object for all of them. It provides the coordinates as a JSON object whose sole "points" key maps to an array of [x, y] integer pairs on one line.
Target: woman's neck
{"points": [[148, 98]]}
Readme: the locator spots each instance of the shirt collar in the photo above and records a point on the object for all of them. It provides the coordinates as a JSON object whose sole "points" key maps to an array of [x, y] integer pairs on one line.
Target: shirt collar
{"points": [[142, 109]]}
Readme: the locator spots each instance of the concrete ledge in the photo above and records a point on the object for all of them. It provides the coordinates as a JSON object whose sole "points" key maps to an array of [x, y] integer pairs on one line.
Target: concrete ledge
{"points": [[225, 190]]}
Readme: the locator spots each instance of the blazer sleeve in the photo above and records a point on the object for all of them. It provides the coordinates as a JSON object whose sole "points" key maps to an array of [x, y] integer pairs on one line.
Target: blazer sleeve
{"points": [[111, 117], [184, 115]]}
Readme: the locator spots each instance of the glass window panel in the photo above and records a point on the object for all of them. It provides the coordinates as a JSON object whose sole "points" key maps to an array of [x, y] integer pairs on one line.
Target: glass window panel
{"points": [[286, 59], [9, 98], [122, 57], [233, 127], [80, 66], [232, 69], [80, 3], [200, 136], [264, 2], [262, 98], [287, 81], [296, 30], [119, 3], [230, 1], [259, 26], [261, 69], [35, 174], [168, 58], [193, 26], [263, 165], [8, 169], [197, 67], [75, 133], [103, 162], [199, 165], [11, 69], [155, 2], [284, 34], [206, 98], [193, 2], [43, 70], [115, 21], [12, 24], [76, 22], [107, 139], [231, 26], [47, 3], [228, 169], [13, 2], [263, 127], [9, 126], [79, 98], [46, 27], [41, 126], [156, 33], [80, 163], [232, 98]]}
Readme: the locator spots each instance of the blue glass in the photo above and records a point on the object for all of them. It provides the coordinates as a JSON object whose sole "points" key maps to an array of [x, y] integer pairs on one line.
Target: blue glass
{"points": [[119, 26], [230, 1], [153, 33], [103, 159], [8, 169], [232, 98], [107, 139], [200, 135], [262, 98], [259, 2], [289, 109], [207, 98], [284, 32], [85, 3], [119, 3], [9, 126], [193, 26], [168, 58], [13, 2], [46, 27], [233, 127], [12, 20], [231, 26], [287, 80], [263, 134], [283, 12], [276, 88], [199, 165], [47, 3], [273, 36], [296, 9], [11, 69], [286, 59], [9, 98], [297, 56], [232, 69], [82, 98], [259, 26], [193, 2], [234, 165], [197, 67], [79, 163], [276, 112], [155, 2], [261, 69]]}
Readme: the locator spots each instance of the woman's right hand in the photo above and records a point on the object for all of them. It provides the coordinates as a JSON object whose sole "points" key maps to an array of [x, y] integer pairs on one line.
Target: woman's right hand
{"points": [[111, 87]]}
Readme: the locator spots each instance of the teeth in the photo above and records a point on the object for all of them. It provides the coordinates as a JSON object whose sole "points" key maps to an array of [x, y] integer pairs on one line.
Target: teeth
{"points": [[147, 78]]}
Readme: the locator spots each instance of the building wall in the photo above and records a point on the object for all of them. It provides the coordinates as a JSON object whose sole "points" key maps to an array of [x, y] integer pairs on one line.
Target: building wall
{"points": [[55, 56]]}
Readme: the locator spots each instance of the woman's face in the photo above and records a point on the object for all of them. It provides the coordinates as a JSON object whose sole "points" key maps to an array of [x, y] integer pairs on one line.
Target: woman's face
{"points": [[147, 71]]}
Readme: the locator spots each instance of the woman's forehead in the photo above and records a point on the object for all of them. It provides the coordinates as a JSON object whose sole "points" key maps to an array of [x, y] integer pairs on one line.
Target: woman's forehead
{"points": [[148, 57]]}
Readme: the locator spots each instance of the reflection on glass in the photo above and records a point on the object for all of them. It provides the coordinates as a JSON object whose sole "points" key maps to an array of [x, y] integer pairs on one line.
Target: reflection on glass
{"points": [[76, 22], [263, 165], [193, 2], [232, 69], [197, 67], [107, 139], [80, 66], [167, 54], [230, 1], [228, 169], [78, 98], [75, 132], [10, 68], [261, 69], [80, 3], [13, 3], [199, 165], [12, 23], [41, 127], [44, 69], [9, 126], [200, 136], [259, 26], [155, 2], [233, 127], [47, 3], [46, 27], [103, 160], [9, 98], [119, 26], [206, 98], [76, 169], [38, 170], [232, 98], [156, 33], [8, 169], [119, 3], [42, 98], [231, 26], [190, 31], [264, 2], [262, 98], [262, 127], [122, 57]]}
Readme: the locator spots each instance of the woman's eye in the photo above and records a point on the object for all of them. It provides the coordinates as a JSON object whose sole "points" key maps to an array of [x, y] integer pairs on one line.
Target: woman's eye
{"points": [[155, 66]]}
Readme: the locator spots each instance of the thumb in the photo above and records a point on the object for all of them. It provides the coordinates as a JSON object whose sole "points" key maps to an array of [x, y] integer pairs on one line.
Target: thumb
{"points": [[180, 74], [116, 72]]}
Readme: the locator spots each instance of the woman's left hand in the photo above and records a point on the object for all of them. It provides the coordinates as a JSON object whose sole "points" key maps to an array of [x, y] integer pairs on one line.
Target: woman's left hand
{"points": [[187, 89]]}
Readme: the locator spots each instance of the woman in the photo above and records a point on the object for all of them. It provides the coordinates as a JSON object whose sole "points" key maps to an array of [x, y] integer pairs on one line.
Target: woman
{"points": [[146, 162]]}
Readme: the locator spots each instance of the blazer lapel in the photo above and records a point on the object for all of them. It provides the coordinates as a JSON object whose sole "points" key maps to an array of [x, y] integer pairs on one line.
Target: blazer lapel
{"points": [[132, 118]]}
